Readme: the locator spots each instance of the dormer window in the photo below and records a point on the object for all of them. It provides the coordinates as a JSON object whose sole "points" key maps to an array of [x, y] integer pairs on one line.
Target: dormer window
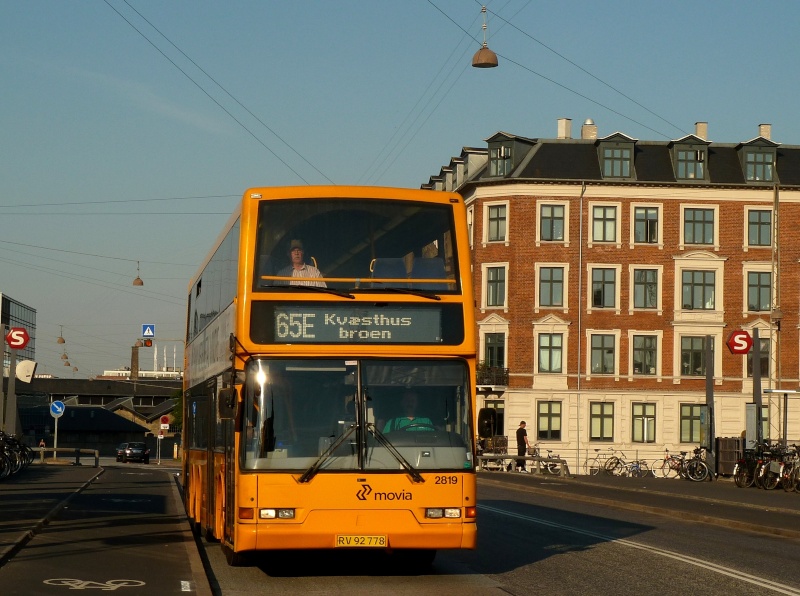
{"points": [[690, 164], [617, 162], [500, 160], [759, 164]]}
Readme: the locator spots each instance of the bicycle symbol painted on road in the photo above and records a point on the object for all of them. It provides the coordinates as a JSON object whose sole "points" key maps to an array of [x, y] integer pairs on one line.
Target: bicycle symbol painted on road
{"points": [[80, 584]]}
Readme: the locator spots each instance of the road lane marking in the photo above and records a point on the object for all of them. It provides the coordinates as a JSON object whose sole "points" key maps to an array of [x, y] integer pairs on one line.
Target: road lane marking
{"points": [[756, 581]]}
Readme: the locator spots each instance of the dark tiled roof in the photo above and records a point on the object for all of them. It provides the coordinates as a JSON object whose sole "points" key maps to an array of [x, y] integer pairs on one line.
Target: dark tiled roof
{"points": [[579, 159], [724, 165], [564, 161]]}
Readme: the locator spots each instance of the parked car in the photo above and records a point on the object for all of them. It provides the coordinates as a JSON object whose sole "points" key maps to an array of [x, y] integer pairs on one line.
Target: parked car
{"points": [[121, 450], [136, 452]]}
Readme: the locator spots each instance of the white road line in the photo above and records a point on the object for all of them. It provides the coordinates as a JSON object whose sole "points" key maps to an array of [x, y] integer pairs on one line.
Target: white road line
{"points": [[756, 581]]}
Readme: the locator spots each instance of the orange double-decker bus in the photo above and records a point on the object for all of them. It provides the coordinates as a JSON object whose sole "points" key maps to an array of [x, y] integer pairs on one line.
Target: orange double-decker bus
{"points": [[329, 397]]}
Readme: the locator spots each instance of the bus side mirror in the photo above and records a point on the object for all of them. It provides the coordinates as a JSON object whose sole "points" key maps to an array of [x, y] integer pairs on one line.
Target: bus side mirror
{"points": [[226, 403], [487, 423]]}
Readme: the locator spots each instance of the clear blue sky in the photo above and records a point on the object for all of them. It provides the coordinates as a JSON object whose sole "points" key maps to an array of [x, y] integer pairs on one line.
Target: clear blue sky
{"points": [[110, 155]]}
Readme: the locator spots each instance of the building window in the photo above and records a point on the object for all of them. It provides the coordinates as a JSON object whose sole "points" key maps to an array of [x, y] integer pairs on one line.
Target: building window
{"points": [[645, 288], [759, 291], [552, 222], [764, 358], [758, 166], [497, 223], [551, 347], [693, 356], [616, 162], [495, 349], [759, 228], [644, 354], [551, 286], [499, 407], [645, 225], [601, 421], [698, 290], [604, 288], [602, 354], [698, 226], [604, 224], [644, 423], [690, 164], [495, 286], [691, 416], [548, 423], [500, 160]]}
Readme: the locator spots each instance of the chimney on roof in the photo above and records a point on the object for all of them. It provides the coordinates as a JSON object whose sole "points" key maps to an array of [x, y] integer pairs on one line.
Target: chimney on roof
{"points": [[701, 130], [589, 129], [134, 363], [765, 130], [564, 128]]}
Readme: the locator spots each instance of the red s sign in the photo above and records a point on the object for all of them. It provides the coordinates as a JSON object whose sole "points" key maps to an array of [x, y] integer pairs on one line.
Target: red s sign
{"points": [[739, 342], [17, 338]]}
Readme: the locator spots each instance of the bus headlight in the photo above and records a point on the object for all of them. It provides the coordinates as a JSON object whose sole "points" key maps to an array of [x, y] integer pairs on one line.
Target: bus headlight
{"points": [[276, 513], [443, 512]]}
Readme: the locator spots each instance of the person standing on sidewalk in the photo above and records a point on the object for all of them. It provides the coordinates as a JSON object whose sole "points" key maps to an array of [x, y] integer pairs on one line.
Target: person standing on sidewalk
{"points": [[522, 446]]}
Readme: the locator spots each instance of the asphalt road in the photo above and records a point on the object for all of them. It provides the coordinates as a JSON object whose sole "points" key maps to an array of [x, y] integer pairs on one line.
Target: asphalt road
{"points": [[122, 528]]}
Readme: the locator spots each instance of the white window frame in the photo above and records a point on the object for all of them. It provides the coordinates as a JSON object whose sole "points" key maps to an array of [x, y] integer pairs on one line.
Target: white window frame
{"points": [[659, 309], [756, 267], [617, 348], [682, 242], [539, 205], [716, 332], [471, 225], [551, 324], [485, 240], [484, 286], [617, 224], [700, 260], [632, 239], [493, 324], [617, 287], [746, 246], [659, 335], [537, 267]]}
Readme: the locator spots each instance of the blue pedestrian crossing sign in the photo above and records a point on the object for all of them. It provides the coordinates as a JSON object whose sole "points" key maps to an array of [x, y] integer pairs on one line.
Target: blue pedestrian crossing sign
{"points": [[148, 330]]}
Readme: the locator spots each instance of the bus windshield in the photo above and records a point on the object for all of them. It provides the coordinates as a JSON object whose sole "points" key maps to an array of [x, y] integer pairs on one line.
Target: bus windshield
{"points": [[355, 245], [356, 415]]}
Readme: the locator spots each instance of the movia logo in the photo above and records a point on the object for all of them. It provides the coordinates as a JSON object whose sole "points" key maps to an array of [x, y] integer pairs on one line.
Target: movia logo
{"points": [[366, 490], [363, 492]]}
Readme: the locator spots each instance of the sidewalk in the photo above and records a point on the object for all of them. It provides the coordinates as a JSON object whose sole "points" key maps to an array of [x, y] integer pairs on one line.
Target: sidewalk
{"points": [[718, 502], [31, 498]]}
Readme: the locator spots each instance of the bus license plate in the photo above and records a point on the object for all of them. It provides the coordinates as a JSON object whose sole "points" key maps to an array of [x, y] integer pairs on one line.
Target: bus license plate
{"points": [[351, 540]]}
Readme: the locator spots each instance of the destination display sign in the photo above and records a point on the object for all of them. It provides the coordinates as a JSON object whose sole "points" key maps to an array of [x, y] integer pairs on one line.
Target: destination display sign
{"points": [[308, 323]]}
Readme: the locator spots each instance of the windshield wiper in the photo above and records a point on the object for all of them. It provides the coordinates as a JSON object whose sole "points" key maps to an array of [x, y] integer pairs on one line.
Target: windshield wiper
{"points": [[421, 293], [312, 471], [381, 438]]}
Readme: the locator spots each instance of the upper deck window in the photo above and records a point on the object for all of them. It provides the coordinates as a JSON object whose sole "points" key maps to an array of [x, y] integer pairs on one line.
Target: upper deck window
{"points": [[356, 245]]}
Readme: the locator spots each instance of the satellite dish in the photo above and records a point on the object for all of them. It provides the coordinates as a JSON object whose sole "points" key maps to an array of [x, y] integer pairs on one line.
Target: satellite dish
{"points": [[25, 370]]}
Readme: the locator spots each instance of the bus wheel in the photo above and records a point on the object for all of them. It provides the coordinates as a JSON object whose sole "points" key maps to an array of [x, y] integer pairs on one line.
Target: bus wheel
{"points": [[235, 559]]}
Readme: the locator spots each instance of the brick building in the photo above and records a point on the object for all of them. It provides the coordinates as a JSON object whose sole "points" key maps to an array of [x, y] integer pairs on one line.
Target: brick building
{"points": [[604, 265]]}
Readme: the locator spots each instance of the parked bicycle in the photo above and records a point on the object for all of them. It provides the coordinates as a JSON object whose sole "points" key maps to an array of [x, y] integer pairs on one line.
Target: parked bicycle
{"points": [[679, 466], [547, 466], [593, 465], [621, 466], [14, 455]]}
